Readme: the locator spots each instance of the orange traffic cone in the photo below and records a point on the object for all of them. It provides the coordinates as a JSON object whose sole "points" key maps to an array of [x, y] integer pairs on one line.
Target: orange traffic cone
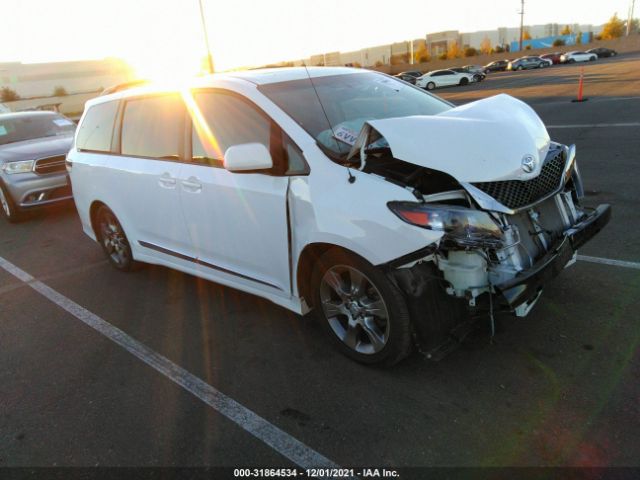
{"points": [[580, 83]]}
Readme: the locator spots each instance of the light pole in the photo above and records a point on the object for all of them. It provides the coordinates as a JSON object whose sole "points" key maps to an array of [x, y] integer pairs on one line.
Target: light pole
{"points": [[206, 38], [521, 23], [633, 2]]}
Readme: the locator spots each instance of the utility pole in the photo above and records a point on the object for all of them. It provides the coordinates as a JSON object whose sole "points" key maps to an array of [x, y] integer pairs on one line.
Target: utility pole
{"points": [[521, 13], [206, 38], [630, 19]]}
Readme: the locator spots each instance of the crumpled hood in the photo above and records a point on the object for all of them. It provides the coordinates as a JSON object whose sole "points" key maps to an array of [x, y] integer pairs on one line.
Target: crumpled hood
{"points": [[35, 148], [482, 141]]}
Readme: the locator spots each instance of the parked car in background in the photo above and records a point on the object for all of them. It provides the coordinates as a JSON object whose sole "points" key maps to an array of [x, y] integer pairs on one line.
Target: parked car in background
{"points": [[497, 66], [33, 147], [525, 63], [443, 78], [406, 77], [393, 215], [553, 57], [576, 56], [603, 52], [413, 73], [475, 70]]}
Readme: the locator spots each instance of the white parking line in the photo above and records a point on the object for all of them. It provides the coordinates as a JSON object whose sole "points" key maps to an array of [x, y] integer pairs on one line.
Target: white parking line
{"points": [[608, 261], [597, 125], [280, 441]]}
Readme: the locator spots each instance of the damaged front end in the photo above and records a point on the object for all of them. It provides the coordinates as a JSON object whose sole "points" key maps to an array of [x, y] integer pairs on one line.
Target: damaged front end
{"points": [[502, 240]]}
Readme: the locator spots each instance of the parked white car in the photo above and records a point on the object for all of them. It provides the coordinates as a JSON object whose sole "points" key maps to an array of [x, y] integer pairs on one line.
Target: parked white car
{"points": [[572, 57], [392, 214], [443, 78]]}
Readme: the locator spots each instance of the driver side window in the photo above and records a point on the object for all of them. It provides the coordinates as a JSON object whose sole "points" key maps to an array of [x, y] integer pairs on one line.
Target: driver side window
{"points": [[225, 120]]}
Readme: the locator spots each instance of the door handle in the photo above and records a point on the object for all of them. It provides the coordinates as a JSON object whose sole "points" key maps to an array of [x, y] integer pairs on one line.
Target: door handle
{"points": [[167, 181], [192, 184]]}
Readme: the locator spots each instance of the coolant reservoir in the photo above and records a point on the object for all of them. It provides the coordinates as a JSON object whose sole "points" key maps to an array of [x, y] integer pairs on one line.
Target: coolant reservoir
{"points": [[464, 271]]}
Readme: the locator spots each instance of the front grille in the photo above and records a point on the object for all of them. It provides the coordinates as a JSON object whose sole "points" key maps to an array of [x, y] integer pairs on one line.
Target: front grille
{"points": [[520, 193], [50, 165]]}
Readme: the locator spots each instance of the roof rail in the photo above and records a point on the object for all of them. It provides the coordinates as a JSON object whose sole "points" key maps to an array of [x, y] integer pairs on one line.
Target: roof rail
{"points": [[124, 86]]}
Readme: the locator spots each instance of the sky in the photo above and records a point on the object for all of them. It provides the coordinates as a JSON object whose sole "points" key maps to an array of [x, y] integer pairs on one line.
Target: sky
{"points": [[156, 36]]}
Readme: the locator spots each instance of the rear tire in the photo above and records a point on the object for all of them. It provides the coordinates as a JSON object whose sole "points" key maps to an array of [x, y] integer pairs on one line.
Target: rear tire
{"points": [[365, 315], [113, 240], [520, 67], [8, 208], [464, 81]]}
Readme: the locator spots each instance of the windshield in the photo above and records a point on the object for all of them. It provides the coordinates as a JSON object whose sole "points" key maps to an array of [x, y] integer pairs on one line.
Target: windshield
{"points": [[18, 128], [349, 100]]}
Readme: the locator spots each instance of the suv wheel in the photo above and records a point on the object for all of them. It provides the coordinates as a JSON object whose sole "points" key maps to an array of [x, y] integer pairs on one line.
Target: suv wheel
{"points": [[8, 209], [113, 240], [361, 310]]}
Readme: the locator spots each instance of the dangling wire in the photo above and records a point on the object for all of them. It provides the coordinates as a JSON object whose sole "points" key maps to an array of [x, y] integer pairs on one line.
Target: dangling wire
{"points": [[491, 319]]}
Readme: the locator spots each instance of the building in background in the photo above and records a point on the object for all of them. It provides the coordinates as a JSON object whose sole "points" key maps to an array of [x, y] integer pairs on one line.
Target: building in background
{"points": [[40, 79], [440, 42]]}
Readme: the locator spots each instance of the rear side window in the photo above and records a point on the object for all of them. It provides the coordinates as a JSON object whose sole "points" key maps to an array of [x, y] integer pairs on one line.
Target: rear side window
{"points": [[153, 127], [96, 129]]}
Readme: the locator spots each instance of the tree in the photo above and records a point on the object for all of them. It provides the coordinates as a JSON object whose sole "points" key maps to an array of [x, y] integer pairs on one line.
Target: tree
{"points": [[578, 37], [60, 92], [470, 52], [527, 47], [526, 35], [566, 30], [399, 58], [635, 26], [454, 50], [614, 28], [443, 56], [485, 45], [558, 42], [421, 55], [8, 95], [498, 49]]}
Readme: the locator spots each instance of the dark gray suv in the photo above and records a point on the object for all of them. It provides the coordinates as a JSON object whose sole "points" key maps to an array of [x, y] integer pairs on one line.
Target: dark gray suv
{"points": [[33, 147]]}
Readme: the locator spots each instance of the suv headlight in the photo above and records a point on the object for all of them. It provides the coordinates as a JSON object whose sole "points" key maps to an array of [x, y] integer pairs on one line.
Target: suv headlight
{"points": [[463, 226], [23, 166]]}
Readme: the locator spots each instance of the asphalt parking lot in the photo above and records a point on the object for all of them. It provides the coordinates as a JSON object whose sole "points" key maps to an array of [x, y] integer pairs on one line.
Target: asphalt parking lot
{"points": [[560, 387]]}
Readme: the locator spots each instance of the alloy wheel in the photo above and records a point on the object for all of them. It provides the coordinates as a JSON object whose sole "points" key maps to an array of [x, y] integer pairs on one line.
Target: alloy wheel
{"points": [[114, 240], [355, 310]]}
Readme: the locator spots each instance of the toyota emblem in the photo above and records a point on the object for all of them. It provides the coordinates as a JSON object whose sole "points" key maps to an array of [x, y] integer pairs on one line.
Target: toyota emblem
{"points": [[528, 163]]}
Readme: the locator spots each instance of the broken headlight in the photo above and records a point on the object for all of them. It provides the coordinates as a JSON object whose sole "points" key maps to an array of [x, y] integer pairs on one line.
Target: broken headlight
{"points": [[463, 227]]}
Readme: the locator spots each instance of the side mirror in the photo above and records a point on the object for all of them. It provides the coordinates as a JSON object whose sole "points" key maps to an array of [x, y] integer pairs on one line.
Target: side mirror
{"points": [[247, 157]]}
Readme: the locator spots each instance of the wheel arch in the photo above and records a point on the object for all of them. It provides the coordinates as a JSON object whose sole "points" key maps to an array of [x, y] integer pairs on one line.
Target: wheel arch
{"points": [[306, 263], [93, 212]]}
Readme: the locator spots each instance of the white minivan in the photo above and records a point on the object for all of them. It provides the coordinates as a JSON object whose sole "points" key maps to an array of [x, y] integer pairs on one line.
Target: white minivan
{"points": [[392, 214]]}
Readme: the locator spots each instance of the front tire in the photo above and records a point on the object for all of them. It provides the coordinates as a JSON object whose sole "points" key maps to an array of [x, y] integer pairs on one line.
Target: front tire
{"points": [[431, 86], [362, 311], [113, 240], [8, 208]]}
